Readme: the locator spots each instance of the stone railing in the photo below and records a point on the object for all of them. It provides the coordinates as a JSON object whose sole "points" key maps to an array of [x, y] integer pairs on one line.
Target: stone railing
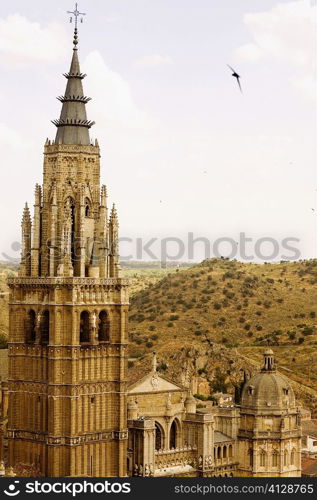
{"points": [[175, 457]]}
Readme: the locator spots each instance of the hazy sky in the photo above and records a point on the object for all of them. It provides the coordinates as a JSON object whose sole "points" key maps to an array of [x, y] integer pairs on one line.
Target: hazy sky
{"points": [[182, 149]]}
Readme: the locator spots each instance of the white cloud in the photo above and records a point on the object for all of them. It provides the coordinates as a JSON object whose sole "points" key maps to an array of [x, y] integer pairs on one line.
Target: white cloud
{"points": [[112, 97], [9, 138], [153, 61], [249, 53], [23, 42], [286, 34]]}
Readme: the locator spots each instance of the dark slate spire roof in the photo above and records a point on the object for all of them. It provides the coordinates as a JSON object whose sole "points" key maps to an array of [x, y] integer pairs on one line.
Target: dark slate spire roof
{"points": [[73, 126]]}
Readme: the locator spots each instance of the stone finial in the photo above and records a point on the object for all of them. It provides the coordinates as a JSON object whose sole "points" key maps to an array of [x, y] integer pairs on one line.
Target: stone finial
{"points": [[26, 214], [38, 194], [103, 196], [114, 215]]}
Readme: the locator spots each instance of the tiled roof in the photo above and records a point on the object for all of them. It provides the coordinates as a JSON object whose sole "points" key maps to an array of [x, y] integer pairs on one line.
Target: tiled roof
{"points": [[309, 427], [309, 467], [220, 437]]}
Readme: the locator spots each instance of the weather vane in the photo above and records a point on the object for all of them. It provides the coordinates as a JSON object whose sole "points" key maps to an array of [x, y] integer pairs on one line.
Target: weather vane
{"points": [[76, 15]]}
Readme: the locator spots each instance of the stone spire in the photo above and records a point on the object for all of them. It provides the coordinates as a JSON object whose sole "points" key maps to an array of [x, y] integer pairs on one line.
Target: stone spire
{"points": [[73, 126]]}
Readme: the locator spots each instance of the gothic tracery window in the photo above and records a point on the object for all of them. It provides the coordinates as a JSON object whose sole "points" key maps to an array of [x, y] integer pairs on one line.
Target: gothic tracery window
{"points": [[262, 459]]}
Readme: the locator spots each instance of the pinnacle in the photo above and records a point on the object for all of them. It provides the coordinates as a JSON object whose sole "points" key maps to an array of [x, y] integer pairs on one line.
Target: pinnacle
{"points": [[113, 215], [26, 214]]}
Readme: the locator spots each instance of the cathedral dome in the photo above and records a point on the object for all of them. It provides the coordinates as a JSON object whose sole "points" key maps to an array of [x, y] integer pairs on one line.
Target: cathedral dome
{"points": [[268, 389]]}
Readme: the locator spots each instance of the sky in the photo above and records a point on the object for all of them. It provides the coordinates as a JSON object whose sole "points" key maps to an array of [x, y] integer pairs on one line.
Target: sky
{"points": [[185, 154]]}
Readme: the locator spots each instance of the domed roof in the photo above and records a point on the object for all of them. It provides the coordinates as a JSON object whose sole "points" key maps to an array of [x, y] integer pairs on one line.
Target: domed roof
{"points": [[268, 389]]}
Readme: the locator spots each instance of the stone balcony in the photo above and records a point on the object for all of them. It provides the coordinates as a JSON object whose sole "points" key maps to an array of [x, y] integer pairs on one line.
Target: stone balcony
{"points": [[175, 461]]}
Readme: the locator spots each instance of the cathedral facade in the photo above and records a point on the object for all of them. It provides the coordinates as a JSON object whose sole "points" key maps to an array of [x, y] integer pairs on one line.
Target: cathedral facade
{"points": [[169, 435], [66, 408]]}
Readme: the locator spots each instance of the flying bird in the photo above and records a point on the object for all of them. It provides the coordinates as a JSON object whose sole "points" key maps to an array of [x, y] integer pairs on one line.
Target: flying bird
{"points": [[235, 75]]}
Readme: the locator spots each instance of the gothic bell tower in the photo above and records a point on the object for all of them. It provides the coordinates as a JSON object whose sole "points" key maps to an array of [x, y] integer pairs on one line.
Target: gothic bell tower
{"points": [[68, 312]]}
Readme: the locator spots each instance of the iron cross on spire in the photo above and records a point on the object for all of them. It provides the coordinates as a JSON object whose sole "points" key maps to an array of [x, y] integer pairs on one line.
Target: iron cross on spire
{"points": [[76, 14]]}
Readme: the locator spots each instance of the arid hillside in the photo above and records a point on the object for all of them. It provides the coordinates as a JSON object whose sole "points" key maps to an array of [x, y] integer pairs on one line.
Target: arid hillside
{"points": [[235, 307]]}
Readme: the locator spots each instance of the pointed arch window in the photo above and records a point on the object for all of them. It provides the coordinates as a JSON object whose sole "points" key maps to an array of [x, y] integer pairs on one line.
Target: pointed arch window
{"points": [[285, 458], [104, 327], [293, 457], [30, 327], [87, 207], [45, 327], [84, 327], [274, 459], [262, 459], [250, 455], [159, 437], [173, 435]]}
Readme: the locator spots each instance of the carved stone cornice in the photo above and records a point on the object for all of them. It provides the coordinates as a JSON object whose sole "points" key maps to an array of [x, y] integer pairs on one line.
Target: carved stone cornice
{"points": [[67, 440], [71, 149], [116, 283]]}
